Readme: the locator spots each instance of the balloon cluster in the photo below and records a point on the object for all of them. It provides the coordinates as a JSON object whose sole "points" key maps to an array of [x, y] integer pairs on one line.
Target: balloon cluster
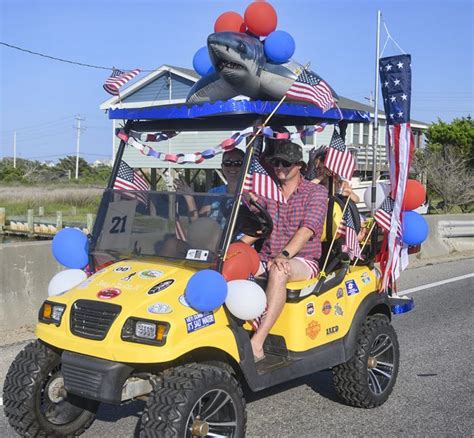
{"points": [[70, 248], [414, 226], [207, 290], [260, 20]]}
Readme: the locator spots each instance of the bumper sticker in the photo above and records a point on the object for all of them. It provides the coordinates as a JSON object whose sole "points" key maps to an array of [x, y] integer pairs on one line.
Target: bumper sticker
{"points": [[160, 286], [160, 308], [199, 321], [151, 273], [351, 287], [108, 294]]}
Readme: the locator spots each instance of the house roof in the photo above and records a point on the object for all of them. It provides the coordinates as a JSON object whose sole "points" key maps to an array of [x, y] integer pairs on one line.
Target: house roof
{"points": [[187, 73]]}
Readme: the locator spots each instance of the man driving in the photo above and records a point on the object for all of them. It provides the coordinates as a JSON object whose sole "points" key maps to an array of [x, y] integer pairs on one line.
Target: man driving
{"points": [[293, 249]]}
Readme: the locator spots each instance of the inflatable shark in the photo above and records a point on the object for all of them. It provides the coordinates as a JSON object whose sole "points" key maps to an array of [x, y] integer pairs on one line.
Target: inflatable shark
{"points": [[242, 69]]}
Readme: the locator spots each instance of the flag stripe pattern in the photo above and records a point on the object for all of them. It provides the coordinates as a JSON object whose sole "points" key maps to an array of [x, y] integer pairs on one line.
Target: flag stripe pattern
{"points": [[395, 77], [347, 228], [338, 158], [128, 179], [383, 216], [261, 183], [309, 87], [118, 79]]}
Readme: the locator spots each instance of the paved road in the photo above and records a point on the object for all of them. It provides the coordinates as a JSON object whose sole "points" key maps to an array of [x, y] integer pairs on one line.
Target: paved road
{"points": [[433, 395]]}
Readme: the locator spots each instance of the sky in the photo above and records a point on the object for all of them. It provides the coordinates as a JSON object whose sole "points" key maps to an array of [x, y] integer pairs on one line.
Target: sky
{"points": [[40, 97]]}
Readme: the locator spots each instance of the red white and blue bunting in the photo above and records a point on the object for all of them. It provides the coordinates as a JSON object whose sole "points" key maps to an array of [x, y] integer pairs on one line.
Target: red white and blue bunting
{"points": [[137, 140]]}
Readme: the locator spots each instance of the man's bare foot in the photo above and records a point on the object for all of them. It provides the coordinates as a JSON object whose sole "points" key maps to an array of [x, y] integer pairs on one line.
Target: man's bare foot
{"points": [[257, 350]]}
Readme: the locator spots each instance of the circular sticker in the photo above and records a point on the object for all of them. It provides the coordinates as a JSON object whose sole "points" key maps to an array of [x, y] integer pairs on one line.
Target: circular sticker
{"points": [[182, 300], [108, 294], [160, 308], [122, 269], [160, 286], [326, 307], [151, 273]]}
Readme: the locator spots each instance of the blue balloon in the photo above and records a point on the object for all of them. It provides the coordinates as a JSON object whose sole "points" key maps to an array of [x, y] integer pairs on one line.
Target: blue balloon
{"points": [[206, 290], [415, 228], [71, 248], [202, 62], [279, 46]]}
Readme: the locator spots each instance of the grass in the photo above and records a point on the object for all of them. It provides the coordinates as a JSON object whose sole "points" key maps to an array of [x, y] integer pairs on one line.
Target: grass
{"points": [[18, 199]]}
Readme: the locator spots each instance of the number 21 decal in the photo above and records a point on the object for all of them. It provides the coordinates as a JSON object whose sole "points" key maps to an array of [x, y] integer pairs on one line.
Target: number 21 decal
{"points": [[118, 224]]}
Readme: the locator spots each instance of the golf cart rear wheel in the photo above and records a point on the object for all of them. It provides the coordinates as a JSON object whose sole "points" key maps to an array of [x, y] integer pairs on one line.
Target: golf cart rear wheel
{"points": [[367, 379], [195, 400], [34, 398]]}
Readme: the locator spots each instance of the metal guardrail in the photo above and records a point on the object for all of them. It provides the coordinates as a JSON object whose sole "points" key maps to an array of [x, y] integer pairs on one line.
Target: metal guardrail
{"points": [[453, 229]]}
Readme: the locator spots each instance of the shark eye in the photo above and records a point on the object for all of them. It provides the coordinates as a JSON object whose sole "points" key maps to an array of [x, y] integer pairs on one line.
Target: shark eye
{"points": [[241, 47]]}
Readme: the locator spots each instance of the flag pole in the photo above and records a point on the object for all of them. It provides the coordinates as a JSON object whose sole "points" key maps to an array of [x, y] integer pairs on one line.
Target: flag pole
{"points": [[335, 234], [375, 133]]}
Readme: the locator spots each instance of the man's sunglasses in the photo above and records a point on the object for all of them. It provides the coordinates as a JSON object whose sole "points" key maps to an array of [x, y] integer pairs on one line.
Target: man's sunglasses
{"points": [[281, 163], [232, 163]]}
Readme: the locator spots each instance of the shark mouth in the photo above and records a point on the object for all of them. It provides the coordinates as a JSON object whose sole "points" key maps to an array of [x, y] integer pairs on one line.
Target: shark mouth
{"points": [[230, 65]]}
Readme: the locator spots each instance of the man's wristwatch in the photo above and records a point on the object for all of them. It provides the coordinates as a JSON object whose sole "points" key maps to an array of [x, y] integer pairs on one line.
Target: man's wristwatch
{"points": [[285, 254]]}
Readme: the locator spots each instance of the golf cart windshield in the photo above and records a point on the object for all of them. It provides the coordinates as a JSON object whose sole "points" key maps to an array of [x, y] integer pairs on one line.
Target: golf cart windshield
{"points": [[141, 223]]}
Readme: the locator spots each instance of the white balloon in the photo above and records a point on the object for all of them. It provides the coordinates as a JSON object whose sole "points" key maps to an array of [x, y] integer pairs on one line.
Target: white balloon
{"points": [[65, 280], [245, 299], [381, 192]]}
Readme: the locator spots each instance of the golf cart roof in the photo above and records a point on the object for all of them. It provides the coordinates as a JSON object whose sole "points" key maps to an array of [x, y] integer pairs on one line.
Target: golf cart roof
{"points": [[231, 115]]}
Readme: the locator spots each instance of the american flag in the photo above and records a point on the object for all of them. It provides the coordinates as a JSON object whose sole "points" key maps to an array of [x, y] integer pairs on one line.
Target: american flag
{"points": [[338, 158], [128, 179], [347, 228], [383, 216], [395, 77], [261, 183], [311, 88], [117, 79]]}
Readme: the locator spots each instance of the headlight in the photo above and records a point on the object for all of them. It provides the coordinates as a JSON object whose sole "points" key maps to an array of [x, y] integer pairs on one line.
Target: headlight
{"points": [[145, 331], [51, 313]]}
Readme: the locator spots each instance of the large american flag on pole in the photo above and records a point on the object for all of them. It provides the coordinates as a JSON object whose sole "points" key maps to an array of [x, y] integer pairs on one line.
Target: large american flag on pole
{"points": [[347, 229], [311, 88], [260, 182], [395, 76], [128, 179], [338, 158], [118, 79]]}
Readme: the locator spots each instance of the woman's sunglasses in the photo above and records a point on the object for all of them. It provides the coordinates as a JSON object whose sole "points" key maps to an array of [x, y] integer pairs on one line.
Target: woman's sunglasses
{"points": [[281, 163], [232, 163]]}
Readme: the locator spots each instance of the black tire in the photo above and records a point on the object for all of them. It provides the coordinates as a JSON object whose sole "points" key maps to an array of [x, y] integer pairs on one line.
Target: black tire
{"points": [[191, 391], [26, 397], [367, 379]]}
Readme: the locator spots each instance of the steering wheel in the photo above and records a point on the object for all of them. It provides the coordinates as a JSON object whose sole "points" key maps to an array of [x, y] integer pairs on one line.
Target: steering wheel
{"points": [[254, 223]]}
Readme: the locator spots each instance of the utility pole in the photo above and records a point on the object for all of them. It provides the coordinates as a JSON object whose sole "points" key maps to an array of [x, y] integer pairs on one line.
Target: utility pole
{"points": [[14, 149], [78, 142]]}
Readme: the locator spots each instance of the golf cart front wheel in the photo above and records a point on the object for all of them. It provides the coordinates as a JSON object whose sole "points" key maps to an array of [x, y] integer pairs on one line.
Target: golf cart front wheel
{"points": [[367, 379], [35, 401], [195, 400]]}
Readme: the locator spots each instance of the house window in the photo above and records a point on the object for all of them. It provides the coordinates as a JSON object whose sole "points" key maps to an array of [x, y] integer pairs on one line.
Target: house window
{"points": [[355, 133], [365, 134]]}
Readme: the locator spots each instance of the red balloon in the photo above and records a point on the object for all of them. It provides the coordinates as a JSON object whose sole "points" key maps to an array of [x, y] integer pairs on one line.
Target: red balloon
{"points": [[261, 18], [415, 195], [241, 261], [251, 254], [230, 22]]}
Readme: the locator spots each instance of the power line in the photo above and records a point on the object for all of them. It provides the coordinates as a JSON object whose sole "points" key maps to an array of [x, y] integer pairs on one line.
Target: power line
{"points": [[54, 58]]}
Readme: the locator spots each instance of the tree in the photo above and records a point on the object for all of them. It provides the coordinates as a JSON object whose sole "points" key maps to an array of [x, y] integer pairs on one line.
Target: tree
{"points": [[447, 176], [69, 163], [456, 137]]}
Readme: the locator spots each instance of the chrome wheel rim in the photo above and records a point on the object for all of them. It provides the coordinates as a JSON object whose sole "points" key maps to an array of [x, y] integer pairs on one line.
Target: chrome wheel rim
{"points": [[380, 364], [213, 415]]}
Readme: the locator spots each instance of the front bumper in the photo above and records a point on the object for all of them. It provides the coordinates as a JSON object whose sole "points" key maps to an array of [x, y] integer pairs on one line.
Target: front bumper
{"points": [[94, 378]]}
